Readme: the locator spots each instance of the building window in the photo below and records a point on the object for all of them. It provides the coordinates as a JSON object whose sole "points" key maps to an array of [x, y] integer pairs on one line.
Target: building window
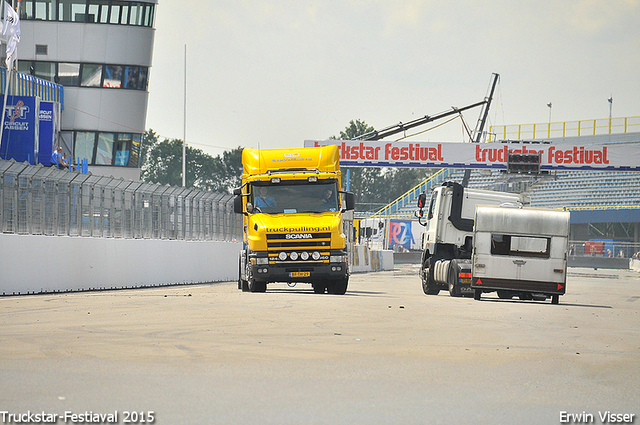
{"points": [[134, 157], [104, 150], [131, 77], [116, 11], [94, 11], [98, 11], [136, 14], [72, 10], [123, 150], [112, 76], [69, 74], [91, 75], [44, 70], [84, 146], [147, 19], [42, 49], [118, 149], [88, 75]]}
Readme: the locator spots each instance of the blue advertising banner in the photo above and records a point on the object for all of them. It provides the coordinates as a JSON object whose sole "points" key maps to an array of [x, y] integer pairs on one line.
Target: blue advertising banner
{"points": [[20, 129], [47, 131], [400, 235]]}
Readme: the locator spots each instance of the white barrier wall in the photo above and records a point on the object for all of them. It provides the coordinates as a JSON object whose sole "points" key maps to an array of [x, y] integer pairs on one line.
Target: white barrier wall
{"points": [[35, 264], [32, 264], [366, 260]]}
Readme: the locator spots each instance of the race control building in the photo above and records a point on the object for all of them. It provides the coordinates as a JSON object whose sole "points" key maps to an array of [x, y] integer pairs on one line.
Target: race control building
{"points": [[100, 52]]}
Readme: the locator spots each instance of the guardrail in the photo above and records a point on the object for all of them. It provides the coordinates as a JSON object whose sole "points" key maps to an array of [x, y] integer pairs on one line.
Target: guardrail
{"points": [[410, 197], [37, 200], [564, 129]]}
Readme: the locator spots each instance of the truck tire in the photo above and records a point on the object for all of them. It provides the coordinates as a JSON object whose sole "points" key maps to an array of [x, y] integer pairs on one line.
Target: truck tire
{"points": [[525, 296], [454, 289], [477, 294], [338, 287], [242, 284], [319, 288], [429, 286], [256, 286], [505, 295], [555, 299]]}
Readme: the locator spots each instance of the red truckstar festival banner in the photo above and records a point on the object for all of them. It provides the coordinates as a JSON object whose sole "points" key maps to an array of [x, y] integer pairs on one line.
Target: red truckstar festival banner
{"points": [[568, 156]]}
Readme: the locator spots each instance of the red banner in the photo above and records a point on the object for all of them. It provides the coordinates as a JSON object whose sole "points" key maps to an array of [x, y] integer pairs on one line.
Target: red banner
{"points": [[568, 156]]}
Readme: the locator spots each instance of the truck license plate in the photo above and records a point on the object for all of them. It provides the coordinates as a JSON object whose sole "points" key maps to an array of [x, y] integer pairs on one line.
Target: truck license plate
{"points": [[299, 274]]}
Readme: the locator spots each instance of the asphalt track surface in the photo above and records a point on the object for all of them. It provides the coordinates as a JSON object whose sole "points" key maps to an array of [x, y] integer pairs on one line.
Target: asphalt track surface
{"points": [[384, 353]]}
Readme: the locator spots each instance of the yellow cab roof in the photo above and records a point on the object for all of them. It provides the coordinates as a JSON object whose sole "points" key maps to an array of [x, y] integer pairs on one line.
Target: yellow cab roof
{"points": [[261, 161]]}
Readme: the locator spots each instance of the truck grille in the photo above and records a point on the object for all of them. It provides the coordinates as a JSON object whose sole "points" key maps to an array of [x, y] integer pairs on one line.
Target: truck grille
{"points": [[306, 241], [295, 244]]}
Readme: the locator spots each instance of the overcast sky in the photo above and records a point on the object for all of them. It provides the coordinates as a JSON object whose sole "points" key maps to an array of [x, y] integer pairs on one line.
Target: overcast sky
{"points": [[276, 72]]}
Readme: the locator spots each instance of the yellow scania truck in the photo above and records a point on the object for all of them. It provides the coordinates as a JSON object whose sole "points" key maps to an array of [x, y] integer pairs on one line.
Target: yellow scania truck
{"points": [[293, 227]]}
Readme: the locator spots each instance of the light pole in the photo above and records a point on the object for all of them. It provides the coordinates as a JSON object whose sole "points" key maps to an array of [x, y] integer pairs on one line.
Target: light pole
{"points": [[549, 105], [184, 124], [610, 108]]}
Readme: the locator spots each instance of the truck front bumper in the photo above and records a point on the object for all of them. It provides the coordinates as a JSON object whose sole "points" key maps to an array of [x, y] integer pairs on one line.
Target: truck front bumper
{"points": [[308, 273]]}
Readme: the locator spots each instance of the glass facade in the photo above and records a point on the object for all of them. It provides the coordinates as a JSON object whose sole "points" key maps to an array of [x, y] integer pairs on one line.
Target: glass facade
{"points": [[104, 148], [88, 74], [113, 12], [96, 147]]}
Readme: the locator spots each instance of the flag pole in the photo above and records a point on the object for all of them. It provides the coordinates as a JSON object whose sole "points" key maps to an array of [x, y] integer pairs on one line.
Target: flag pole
{"points": [[4, 106], [7, 75]]}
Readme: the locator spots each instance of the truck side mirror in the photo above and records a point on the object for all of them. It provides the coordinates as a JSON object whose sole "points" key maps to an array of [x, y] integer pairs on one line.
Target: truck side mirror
{"points": [[349, 201], [237, 203], [422, 200]]}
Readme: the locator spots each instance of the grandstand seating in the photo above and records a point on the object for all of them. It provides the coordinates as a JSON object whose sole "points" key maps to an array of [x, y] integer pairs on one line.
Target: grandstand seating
{"points": [[559, 189]]}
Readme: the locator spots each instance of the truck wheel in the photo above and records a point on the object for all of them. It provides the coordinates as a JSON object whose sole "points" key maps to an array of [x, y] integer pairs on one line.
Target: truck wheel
{"points": [[477, 294], [454, 290], [257, 286], [338, 287], [428, 285], [505, 295], [242, 284], [319, 288], [555, 299]]}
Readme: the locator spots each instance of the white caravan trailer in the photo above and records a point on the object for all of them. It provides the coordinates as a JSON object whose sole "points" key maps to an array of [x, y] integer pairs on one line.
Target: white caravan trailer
{"points": [[520, 252]]}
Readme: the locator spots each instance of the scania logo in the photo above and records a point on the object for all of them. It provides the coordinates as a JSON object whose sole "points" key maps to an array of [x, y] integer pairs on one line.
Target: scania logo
{"points": [[291, 154], [299, 236]]}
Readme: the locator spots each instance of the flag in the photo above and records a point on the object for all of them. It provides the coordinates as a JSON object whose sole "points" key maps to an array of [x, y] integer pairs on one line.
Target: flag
{"points": [[11, 31]]}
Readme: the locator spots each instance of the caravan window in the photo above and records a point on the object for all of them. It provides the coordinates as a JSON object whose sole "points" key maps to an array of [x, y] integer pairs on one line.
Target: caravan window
{"points": [[521, 246]]}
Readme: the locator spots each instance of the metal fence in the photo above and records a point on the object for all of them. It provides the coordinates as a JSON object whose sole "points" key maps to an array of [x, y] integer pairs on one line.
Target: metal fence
{"points": [[37, 200]]}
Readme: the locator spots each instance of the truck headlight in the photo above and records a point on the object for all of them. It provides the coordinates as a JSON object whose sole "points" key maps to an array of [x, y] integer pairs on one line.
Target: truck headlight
{"points": [[315, 255], [282, 256], [304, 255], [262, 260], [336, 259], [293, 256]]}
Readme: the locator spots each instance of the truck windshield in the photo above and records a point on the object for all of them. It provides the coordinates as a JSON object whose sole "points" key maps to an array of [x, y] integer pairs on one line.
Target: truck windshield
{"points": [[295, 197]]}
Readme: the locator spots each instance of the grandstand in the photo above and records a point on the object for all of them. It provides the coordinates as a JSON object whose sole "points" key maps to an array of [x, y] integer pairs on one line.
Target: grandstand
{"points": [[561, 189], [611, 198]]}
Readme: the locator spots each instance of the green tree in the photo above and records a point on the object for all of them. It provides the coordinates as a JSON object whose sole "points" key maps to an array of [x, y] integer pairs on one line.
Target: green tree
{"points": [[162, 163], [362, 181], [375, 187]]}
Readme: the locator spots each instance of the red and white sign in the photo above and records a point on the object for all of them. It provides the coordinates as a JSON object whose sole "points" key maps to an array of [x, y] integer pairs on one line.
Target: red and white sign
{"points": [[568, 156]]}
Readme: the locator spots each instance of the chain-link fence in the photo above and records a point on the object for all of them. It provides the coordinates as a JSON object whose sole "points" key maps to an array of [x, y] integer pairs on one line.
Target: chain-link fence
{"points": [[37, 200]]}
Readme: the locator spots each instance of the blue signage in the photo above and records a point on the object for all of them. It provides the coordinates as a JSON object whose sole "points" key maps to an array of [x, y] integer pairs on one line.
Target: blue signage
{"points": [[20, 128], [47, 132]]}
